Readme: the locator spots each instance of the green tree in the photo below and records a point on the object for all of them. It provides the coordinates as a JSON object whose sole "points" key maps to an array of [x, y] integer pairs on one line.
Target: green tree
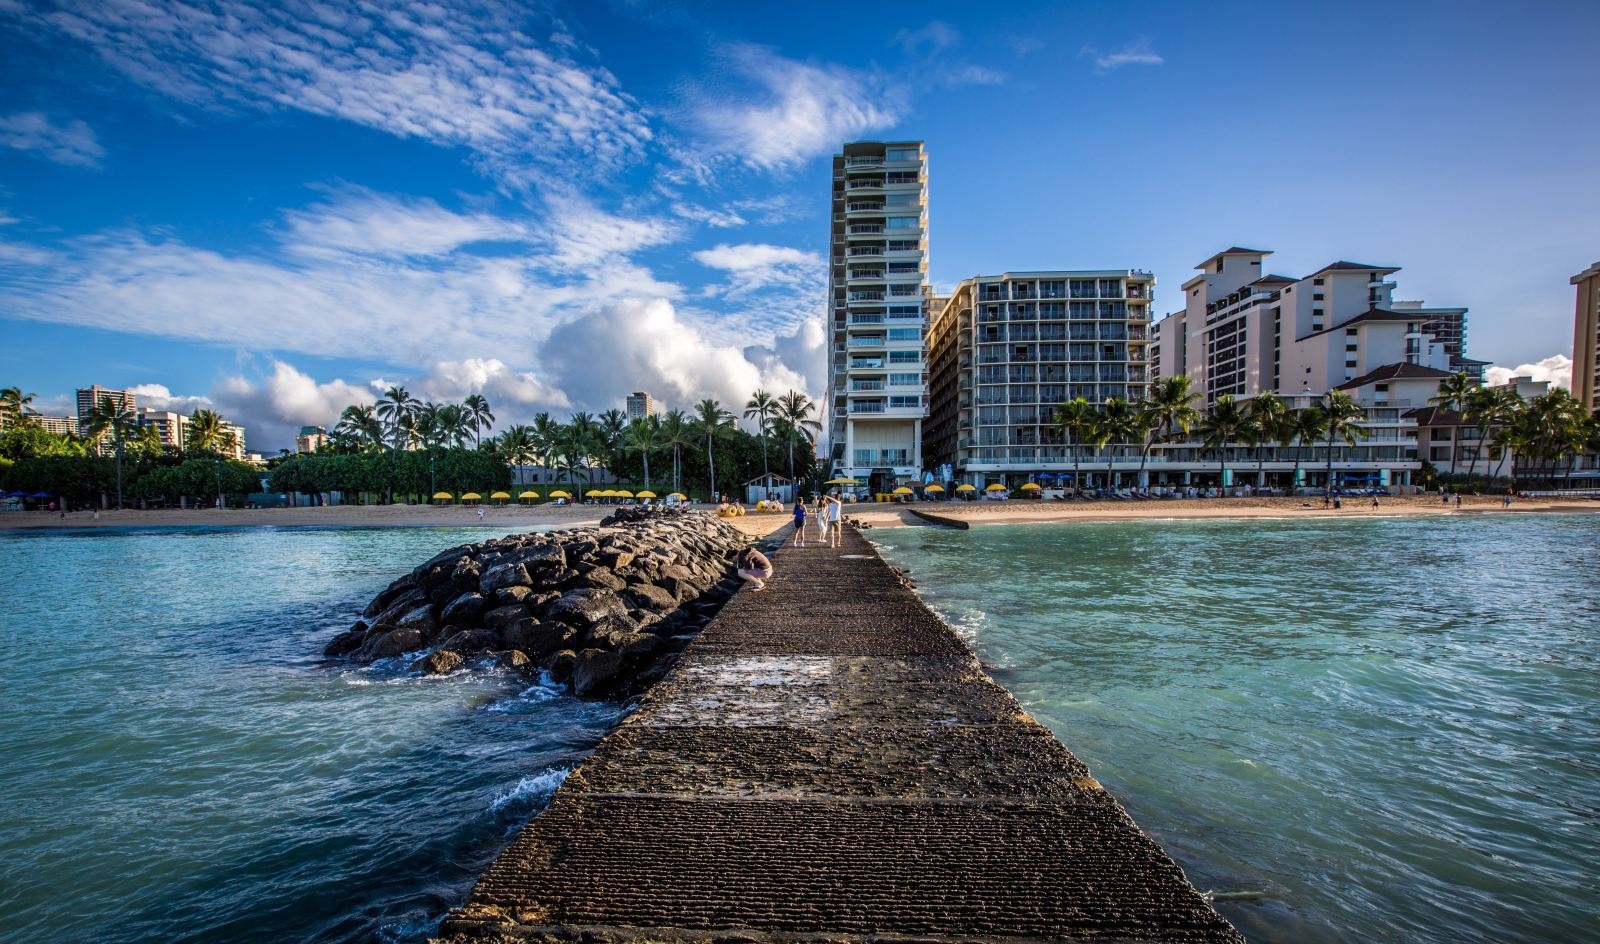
{"points": [[644, 437], [1222, 424], [712, 422], [1455, 391], [1306, 426], [111, 417], [1168, 410], [1076, 418], [761, 407], [14, 406], [795, 409], [1344, 417], [478, 415], [1267, 421], [677, 432]]}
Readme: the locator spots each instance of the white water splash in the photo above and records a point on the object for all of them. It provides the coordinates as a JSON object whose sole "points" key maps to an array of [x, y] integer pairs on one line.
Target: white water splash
{"points": [[539, 786]]}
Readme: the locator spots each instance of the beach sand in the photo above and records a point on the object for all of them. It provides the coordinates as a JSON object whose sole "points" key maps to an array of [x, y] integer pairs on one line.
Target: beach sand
{"points": [[337, 516], [1032, 511]]}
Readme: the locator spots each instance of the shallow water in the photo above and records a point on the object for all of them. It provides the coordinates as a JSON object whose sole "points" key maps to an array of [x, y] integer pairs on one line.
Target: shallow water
{"points": [[180, 763], [1386, 728]]}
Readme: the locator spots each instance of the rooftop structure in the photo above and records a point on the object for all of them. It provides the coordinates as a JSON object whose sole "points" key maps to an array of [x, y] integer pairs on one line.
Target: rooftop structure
{"points": [[1586, 338], [640, 405]]}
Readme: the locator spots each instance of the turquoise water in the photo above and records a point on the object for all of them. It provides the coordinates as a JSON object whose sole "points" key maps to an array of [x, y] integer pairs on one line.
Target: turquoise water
{"points": [[1386, 728], [180, 764]]}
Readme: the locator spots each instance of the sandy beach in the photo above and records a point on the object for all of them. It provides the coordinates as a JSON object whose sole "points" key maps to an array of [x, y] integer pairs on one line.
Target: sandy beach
{"points": [[1027, 511], [337, 516]]}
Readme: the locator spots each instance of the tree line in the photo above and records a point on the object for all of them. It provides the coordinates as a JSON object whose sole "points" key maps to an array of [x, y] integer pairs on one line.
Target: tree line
{"points": [[71, 466]]}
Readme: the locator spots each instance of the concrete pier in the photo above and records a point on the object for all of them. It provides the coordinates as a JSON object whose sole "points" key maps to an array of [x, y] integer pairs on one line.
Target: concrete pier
{"points": [[828, 762]]}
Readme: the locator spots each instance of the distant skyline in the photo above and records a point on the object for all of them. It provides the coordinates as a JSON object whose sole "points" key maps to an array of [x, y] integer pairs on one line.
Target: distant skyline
{"points": [[275, 210]]}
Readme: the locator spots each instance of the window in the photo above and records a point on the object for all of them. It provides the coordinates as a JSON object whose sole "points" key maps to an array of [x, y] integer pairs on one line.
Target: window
{"points": [[904, 380], [905, 334], [905, 311], [900, 154], [903, 402], [905, 357], [1316, 281], [903, 222], [1316, 296], [903, 245], [1350, 332]]}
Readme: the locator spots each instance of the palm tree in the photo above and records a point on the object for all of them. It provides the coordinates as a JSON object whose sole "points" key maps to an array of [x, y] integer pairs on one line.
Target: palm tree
{"points": [[644, 437], [1454, 393], [360, 424], [1343, 413], [761, 407], [475, 410], [205, 433], [111, 417], [517, 446], [676, 432], [14, 406], [711, 421], [398, 410], [1117, 423], [1220, 426], [1075, 417], [1267, 417], [1171, 406], [546, 437], [795, 409], [582, 441], [611, 424], [456, 425], [1306, 426]]}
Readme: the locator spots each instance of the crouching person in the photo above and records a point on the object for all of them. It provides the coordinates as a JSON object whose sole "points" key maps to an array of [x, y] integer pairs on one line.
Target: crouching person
{"points": [[754, 568]]}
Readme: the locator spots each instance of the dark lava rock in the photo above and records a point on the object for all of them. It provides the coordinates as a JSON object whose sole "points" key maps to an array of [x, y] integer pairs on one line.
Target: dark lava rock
{"points": [[594, 672], [464, 609], [400, 606], [390, 594], [470, 641], [536, 638], [611, 633], [438, 663], [507, 595], [382, 645], [616, 558], [509, 574], [347, 641], [561, 664], [586, 607], [603, 579], [506, 615], [423, 619], [512, 659], [651, 597]]}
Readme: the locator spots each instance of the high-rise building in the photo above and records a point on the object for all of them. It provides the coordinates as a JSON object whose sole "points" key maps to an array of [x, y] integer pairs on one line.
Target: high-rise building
{"points": [[171, 427], [234, 449], [1243, 331], [1586, 339], [60, 425], [640, 405], [1006, 350], [878, 303], [90, 397], [311, 438]]}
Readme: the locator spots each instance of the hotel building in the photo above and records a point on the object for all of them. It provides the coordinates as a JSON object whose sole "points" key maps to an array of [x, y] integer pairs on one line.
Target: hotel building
{"points": [[60, 425], [171, 427], [234, 448], [1006, 350], [1586, 339], [639, 406], [89, 398], [311, 439], [878, 303]]}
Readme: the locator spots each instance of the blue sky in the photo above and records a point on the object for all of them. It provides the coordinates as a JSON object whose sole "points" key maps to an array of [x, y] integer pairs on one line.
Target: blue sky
{"points": [[276, 209]]}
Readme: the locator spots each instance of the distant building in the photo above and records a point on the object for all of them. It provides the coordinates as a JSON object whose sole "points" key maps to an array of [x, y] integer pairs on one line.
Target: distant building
{"points": [[1586, 339], [311, 438], [89, 398], [171, 427], [640, 405], [60, 425], [234, 449]]}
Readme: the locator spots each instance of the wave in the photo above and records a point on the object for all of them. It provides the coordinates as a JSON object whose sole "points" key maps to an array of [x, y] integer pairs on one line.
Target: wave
{"points": [[537, 787]]}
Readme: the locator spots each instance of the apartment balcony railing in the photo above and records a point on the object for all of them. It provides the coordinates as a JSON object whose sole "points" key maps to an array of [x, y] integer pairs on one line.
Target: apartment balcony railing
{"points": [[863, 161], [874, 274], [868, 385], [866, 341], [866, 319], [866, 296], [866, 251], [859, 229], [867, 406], [1084, 293], [865, 183], [864, 207], [866, 363]]}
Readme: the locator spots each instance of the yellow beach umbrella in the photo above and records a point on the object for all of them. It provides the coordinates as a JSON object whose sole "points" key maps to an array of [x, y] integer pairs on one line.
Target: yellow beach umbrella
{"points": [[442, 496], [966, 487], [594, 493], [471, 496], [645, 494], [934, 488], [530, 493], [996, 487], [841, 482], [902, 490], [558, 493], [1030, 487], [500, 496], [621, 493], [679, 496]]}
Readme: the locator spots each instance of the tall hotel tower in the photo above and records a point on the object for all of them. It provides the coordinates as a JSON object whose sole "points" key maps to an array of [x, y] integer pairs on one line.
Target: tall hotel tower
{"points": [[878, 301]]}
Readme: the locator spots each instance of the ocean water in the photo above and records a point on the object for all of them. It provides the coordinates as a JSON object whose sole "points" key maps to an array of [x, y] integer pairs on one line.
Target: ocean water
{"points": [[1378, 730], [180, 764]]}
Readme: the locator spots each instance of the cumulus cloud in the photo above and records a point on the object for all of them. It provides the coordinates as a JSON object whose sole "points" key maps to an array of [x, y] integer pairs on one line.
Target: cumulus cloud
{"points": [[73, 143], [160, 397], [357, 221], [468, 74], [512, 393], [1135, 53], [273, 408], [1555, 370], [789, 110]]}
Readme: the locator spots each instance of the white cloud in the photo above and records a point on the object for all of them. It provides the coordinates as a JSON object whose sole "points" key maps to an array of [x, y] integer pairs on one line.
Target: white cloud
{"points": [[1555, 370], [971, 75], [793, 110], [511, 393], [464, 74], [273, 408], [720, 219], [936, 36], [1137, 52], [583, 234], [73, 143], [357, 221], [755, 266], [159, 397]]}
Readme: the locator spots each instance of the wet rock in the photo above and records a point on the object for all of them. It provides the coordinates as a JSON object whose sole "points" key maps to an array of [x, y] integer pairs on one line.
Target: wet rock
{"points": [[536, 638], [382, 601], [611, 633], [423, 619], [507, 595], [560, 665], [347, 641], [512, 659], [651, 597], [464, 609], [400, 606], [594, 672], [382, 645], [506, 615], [508, 574], [438, 663], [585, 607], [469, 641]]}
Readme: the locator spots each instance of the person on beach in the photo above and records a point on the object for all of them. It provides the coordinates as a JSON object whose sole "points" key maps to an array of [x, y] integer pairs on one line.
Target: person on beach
{"points": [[480, 513], [754, 568], [1508, 498], [799, 522], [835, 522]]}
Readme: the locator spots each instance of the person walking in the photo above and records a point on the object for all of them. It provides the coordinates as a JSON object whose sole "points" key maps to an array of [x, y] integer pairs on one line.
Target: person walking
{"points": [[799, 523], [835, 522], [754, 568]]}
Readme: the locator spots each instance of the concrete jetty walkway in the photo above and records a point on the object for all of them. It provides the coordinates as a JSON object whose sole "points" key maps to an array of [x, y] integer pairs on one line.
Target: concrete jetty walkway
{"points": [[829, 763]]}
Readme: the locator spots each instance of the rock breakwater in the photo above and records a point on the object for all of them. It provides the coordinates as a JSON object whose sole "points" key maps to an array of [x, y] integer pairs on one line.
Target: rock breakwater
{"points": [[605, 610]]}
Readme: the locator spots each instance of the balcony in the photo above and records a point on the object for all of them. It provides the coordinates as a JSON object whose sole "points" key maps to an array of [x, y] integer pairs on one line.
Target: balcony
{"points": [[869, 160], [866, 340], [866, 319], [875, 274], [864, 229], [867, 386], [866, 183], [866, 251], [864, 207], [866, 296], [867, 406]]}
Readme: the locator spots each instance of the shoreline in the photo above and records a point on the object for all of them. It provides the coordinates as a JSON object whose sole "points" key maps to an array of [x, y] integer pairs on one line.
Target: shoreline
{"points": [[327, 516], [975, 514]]}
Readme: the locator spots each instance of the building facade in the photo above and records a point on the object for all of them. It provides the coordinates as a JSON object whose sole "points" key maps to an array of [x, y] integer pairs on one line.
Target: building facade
{"points": [[878, 305], [89, 398], [640, 405], [310, 439], [1586, 339], [1006, 350], [234, 448], [171, 427], [60, 425]]}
